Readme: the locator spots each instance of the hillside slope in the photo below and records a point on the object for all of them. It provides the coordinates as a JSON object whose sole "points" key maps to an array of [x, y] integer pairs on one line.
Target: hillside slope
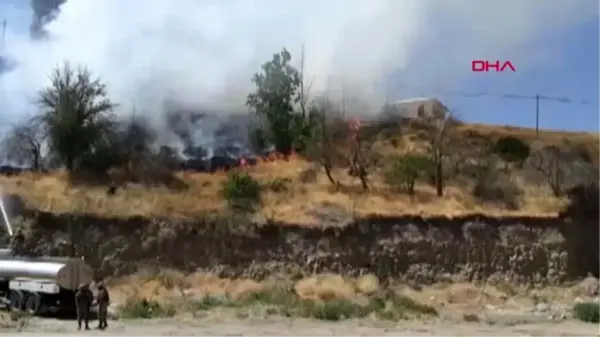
{"points": [[309, 197]]}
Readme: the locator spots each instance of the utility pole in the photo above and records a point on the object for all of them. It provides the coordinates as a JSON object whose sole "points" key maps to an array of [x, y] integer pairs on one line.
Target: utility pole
{"points": [[3, 35], [537, 116], [538, 98]]}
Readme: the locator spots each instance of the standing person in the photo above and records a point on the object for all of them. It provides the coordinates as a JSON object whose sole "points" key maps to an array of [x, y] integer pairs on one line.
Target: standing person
{"points": [[83, 301], [103, 300]]}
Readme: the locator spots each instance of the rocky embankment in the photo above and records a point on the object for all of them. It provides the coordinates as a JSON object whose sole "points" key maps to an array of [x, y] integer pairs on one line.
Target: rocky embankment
{"points": [[539, 250]]}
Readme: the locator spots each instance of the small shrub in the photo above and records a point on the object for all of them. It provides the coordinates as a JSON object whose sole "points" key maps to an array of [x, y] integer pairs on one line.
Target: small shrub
{"points": [[241, 191], [309, 175], [587, 312], [210, 302], [511, 149], [413, 306], [471, 318], [274, 296], [406, 170], [278, 185], [497, 188], [332, 310], [142, 308], [285, 302], [584, 154]]}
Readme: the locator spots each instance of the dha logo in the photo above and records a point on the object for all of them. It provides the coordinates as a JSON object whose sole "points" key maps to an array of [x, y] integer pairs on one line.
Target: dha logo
{"points": [[486, 65]]}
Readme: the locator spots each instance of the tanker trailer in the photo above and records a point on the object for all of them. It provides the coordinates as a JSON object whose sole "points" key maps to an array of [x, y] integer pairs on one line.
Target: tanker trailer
{"points": [[41, 285]]}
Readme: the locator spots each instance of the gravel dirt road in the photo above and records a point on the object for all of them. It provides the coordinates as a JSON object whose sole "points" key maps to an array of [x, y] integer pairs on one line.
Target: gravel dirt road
{"points": [[223, 324]]}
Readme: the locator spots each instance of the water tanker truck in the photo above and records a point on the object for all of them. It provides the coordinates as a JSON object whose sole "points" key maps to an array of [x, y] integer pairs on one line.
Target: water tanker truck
{"points": [[41, 285]]}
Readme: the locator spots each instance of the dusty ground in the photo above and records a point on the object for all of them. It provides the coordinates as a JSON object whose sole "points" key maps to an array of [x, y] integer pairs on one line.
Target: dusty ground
{"points": [[465, 309], [303, 328]]}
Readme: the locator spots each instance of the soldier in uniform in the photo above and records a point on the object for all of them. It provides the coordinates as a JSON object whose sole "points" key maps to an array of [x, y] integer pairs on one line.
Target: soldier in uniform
{"points": [[83, 301], [103, 300]]}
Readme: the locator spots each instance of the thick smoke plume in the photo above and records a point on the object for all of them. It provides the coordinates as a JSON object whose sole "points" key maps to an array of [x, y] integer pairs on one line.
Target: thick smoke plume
{"points": [[44, 11], [201, 54]]}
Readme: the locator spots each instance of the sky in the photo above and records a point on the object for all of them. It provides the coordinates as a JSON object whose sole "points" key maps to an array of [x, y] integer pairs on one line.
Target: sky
{"points": [[574, 76], [203, 52]]}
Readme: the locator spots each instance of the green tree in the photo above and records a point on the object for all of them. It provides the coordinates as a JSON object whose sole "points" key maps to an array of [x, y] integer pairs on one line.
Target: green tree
{"points": [[75, 113], [278, 102], [511, 149], [129, 142], [406, 170]]}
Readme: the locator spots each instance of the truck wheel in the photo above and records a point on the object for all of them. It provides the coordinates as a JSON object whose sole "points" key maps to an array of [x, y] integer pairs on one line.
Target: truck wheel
{"points": [[32, 304], [16, 298]]}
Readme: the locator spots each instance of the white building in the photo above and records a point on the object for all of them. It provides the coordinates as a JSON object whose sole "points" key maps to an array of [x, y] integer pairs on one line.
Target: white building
{"points": [[416, 108]]}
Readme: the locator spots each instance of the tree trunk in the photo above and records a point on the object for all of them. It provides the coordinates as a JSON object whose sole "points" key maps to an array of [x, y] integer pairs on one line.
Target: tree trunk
{"points": [[439, 179], [36, 161], [327, 168], [363, 181], [70, 164]]}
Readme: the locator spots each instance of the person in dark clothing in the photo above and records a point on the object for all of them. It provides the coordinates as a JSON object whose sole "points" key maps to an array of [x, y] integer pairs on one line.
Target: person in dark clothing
{"points": [[83, 301], [103, 300]]}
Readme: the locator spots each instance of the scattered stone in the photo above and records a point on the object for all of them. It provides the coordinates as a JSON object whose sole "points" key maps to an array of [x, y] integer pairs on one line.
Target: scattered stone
{"points": [[471, 318], [542, 307], [589, 287], [490, 307]]}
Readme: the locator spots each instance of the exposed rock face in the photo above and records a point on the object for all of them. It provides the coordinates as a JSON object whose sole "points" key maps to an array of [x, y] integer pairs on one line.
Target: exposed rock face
{"points": [[410, 248]]}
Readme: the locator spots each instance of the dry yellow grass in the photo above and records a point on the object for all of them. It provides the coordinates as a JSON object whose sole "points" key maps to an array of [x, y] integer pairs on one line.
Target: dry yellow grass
{"points": [[52, 192], [169, 286]]}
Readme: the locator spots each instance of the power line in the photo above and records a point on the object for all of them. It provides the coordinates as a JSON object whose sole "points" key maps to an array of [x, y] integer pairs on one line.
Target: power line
{"points": [[536, 97]]}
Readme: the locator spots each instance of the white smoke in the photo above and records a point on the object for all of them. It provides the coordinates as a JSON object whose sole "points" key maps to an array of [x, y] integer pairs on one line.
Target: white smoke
{"points": [[204, 52]]}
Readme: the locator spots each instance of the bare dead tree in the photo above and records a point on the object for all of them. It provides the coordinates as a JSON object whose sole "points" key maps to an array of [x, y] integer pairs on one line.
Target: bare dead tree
{"points": [[361, 159], [24, 144], [322, 136], [550, 162], [357, 139], [322, 147], [439, 124]]}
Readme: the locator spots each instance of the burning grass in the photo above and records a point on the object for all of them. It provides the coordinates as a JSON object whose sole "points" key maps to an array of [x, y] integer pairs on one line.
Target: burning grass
{"points": [[302, 196]]}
